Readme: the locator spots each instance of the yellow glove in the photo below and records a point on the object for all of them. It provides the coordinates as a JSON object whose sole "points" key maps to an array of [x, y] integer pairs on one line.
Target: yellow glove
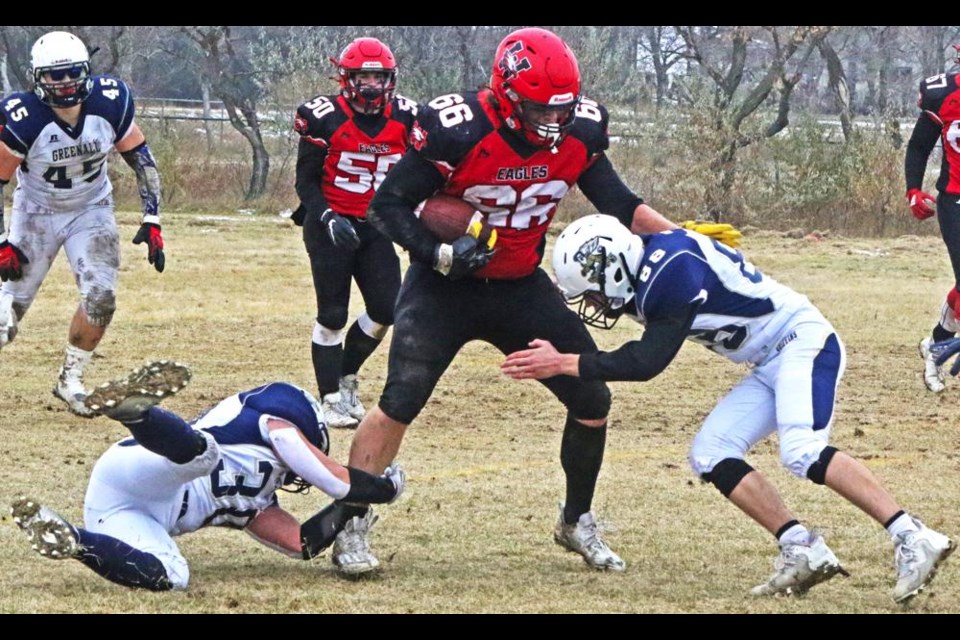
{"points": [[719, 231], [483, 233]]}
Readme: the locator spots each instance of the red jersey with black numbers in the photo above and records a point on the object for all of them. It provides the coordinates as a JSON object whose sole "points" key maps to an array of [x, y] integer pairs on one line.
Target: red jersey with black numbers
{"points": [[517, 187], [360, 148], [940, 101]]}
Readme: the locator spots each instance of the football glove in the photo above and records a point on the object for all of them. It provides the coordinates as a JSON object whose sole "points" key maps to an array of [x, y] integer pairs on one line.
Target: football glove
{"points": [[150, 233], [719, 231], [341, 232], [466, 254], [944, 350], [11, 261], [922, 204], [395, 474]]}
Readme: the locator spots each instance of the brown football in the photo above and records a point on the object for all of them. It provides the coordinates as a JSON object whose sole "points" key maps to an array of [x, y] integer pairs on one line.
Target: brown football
{"points": [[449, 217]]}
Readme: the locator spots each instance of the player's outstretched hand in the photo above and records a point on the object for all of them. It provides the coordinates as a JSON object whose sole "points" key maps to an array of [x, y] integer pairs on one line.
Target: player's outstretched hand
{"points": [[150, 233], [944, 350], [719, 231]]}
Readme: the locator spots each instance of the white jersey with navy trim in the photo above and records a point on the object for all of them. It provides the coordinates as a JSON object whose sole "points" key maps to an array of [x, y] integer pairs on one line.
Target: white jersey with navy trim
{"points": [[742, 313], [65, 168], [249, 473]]}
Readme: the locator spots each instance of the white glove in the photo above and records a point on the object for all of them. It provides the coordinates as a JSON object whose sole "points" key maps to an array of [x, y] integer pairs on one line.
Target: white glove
{"points": [[395, 474]]}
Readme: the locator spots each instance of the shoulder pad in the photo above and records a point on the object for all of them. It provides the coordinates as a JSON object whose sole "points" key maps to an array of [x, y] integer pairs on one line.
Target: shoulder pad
{"points": [[590, 126], [404, 109], [934, 90], [25, 118], [110, 98], [449, 126], [319, 117]]}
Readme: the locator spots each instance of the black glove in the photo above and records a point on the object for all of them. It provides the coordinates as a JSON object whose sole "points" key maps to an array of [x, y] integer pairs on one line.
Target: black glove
{"points": [[341, 232], [150, 233], [11, 261], [464, 256]]}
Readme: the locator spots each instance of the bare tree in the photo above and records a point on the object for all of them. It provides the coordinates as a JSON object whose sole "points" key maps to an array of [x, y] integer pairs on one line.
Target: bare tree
{"points": [[222, 61], [740, 90]]}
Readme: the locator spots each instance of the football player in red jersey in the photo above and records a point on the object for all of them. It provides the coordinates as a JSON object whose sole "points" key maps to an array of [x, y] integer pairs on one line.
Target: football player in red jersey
{"points": [[514, 150], [939, 119], [348, 143]]}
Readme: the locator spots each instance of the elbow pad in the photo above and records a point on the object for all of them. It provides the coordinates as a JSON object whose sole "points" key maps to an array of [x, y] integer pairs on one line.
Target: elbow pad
{"points": [[148, 180]]}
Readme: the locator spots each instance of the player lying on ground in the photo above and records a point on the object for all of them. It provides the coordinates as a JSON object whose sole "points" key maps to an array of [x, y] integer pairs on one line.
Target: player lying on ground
{"points": [[224, 470], [684, 285]]}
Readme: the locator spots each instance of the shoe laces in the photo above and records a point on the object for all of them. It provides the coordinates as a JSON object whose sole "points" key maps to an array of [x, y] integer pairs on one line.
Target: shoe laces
{"points": [[354, 538], [348, 390], [906, 553]]}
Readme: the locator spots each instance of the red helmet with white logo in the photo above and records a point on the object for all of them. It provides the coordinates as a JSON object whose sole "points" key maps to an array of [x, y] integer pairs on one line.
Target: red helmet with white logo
{"points": [[536, 81], [367, 55]]}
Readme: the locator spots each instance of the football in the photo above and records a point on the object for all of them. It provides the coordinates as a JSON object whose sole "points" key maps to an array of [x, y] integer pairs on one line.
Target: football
{"points": [[449, 217]]}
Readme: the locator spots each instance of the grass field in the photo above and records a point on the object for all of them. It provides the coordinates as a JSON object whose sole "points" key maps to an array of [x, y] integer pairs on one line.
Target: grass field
{"points": [[473, 532]]}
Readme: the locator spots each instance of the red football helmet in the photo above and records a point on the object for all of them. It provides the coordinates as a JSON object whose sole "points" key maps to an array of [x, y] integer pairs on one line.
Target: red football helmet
{"points": [[367, 55], [536, 81]]}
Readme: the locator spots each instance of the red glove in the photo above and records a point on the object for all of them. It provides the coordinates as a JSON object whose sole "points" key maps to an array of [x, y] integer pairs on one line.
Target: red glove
{"points": [[150, 233], [11, 261], [921, 204]]}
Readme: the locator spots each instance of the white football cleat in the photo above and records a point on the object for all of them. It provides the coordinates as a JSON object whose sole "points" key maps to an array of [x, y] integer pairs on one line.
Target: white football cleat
{"points": [[8, 320], [918, 555], [583, 537], [70, 389], [349, 399], [336, 413], [351, 549], [932, 372], [800, 567], [50, 534]]}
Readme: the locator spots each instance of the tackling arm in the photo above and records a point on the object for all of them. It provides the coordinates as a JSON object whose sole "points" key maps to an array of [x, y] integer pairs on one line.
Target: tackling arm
{"points": [[275, 528]]}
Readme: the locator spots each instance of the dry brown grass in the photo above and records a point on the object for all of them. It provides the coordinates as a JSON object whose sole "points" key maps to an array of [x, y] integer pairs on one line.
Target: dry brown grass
{"points": [[473, 532]]}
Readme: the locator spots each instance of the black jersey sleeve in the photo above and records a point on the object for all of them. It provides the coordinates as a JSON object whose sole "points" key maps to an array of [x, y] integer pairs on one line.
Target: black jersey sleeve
{"points": [[603, 187], [310, 158], [645, 358], [410, 182], [448, 127], [922, 140]]}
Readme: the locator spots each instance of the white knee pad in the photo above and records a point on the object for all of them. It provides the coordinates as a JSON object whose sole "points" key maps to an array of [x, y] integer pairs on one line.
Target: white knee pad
{"points": [[327, 337], [705, 453], [800, 447], [373, 329]]}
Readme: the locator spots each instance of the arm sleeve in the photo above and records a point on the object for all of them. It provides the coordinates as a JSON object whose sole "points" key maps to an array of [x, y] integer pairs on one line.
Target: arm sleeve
{"points": [[410, 182], [310, 159], [607, 192], [293, 450], [148, 180], [922, 140], [642, 359]]}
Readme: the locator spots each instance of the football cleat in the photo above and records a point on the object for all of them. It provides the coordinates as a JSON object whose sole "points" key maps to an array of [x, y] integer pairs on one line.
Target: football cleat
{"points": [[932, 372], [917, 556], [336, 412], [127, 399], [8, 320], [351, 549], [800, 567], [50, 534], [583, 537], [70, 389], [349, 399]]}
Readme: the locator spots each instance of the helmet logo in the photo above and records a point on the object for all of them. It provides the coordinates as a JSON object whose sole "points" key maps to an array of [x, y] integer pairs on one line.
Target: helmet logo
{"points": [[593, 260], [511, 64]]}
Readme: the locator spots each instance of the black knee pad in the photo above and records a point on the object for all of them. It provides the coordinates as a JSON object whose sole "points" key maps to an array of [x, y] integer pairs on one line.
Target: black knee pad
{"points": [[727, 474], [817, 473], [591, 402], [333, 316]]}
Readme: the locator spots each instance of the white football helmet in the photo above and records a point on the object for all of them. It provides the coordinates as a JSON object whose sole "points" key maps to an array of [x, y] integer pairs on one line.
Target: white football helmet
{"points": [[595, 261], [60, 65]]}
